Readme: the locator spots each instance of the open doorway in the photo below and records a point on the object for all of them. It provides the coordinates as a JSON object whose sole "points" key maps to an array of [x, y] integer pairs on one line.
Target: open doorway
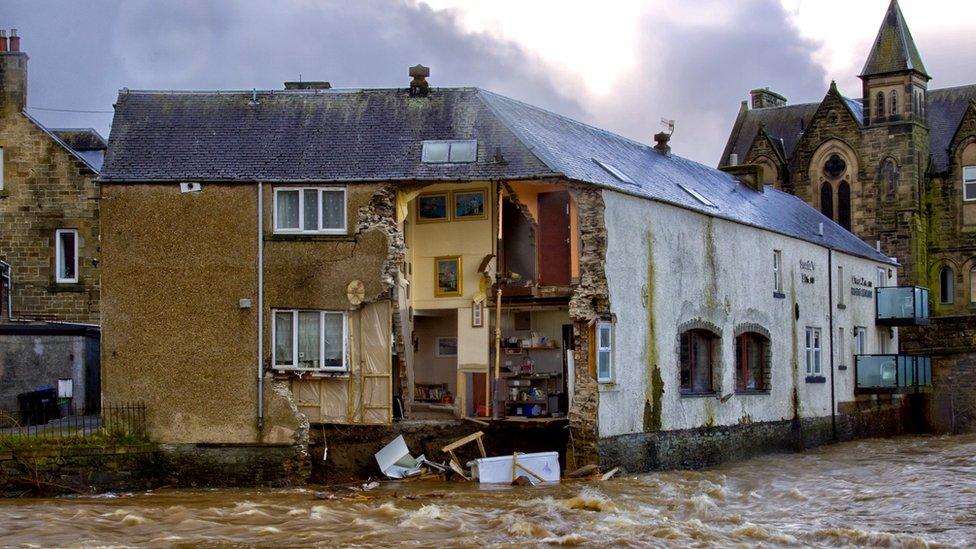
{"points": [[435, 358]]}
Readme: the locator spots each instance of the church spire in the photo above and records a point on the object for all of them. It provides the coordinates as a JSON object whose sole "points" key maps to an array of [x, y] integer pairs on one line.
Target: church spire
{"points": [[894, 49]]}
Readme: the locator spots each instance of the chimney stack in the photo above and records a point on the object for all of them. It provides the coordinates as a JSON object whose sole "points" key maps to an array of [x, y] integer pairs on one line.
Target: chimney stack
{"points": [[13, 74], [750, 175], [764, 97], [419, 86], [662, 145]]}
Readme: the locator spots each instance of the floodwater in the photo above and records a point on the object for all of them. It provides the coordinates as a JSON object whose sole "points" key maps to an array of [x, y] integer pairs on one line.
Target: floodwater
{"points": [[903, 492]]}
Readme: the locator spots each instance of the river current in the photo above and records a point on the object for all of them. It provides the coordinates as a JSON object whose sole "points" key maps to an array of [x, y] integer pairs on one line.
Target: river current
{"points": [[902, 492]]}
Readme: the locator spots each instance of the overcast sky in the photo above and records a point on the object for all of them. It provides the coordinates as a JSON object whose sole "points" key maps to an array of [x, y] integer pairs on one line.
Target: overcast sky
{"points": [[621, 65]]}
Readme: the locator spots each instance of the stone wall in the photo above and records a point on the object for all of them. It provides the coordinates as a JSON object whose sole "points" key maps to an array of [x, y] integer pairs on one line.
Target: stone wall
{"points": [[78, 469], [951, 342]]}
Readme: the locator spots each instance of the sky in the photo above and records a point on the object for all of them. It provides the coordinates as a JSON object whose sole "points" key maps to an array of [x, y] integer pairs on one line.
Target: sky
{"points": [[622, 65]]}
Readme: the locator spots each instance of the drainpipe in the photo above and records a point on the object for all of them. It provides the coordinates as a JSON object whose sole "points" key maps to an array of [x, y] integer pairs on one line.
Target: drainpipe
{"points": [[6, 275], [830, 323], [260, 363]]}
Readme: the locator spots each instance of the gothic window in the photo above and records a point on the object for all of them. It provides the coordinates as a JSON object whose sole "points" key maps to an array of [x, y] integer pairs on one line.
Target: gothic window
{"points": [[844, 205], [835, 166], [972, 285], [879, 106], [894, 103], [945, 285], [827, 200], [889, 176]]}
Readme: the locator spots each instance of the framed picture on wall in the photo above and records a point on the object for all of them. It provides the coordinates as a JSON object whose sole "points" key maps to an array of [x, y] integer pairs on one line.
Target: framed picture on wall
{"points": [[446, 347], [433, 207], [447, 276], [469, 204], [477, 314]]}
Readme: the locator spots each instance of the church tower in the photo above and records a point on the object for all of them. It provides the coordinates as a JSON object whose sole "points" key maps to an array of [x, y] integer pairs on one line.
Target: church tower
{"points": [[895, 146]]}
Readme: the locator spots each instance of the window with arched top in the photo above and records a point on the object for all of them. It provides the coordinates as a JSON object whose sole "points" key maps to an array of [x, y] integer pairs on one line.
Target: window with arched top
{"points": [[827, 200], [945, 285], [879, 104], [844, 205], [699, 349], [751, 362], [894, 103], [889, 177], [835, 166], [972, 284]]}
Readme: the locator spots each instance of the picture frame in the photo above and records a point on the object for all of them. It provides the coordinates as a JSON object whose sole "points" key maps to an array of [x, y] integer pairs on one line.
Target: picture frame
{"points": [[477, 314], [445, 347], [468, 205], [434, 207], [448, 276]]}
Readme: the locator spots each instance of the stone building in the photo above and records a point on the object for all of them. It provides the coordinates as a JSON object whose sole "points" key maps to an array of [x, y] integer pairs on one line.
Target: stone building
{"points": [[330, 267], [895, 165], [49, 246]]}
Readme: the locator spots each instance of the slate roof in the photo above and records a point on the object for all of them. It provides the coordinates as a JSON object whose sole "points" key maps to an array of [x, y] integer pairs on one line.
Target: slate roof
{"points": [[894, 49], [88, 157], [376, 135], [944, 111], [86, 142]]}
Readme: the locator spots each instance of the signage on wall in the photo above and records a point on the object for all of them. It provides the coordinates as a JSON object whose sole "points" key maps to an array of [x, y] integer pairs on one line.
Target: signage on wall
{"points": [[861, 287], [807, 265]]}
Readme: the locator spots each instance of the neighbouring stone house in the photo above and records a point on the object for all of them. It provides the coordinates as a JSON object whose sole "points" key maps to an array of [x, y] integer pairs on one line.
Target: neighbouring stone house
{"points": [[897, 166], [49, 249], [325, 266]]}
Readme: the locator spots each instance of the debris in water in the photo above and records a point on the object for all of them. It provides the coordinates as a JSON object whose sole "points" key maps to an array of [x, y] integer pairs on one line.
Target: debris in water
{"points": [[584, 471], [610, 474], [522, 480]]}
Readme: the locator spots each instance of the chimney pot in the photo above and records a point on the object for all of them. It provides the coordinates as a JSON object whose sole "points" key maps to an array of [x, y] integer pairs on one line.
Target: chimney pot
{"points": [[662, 140], [418, 85], [14, 40], [3, 40], [733, 159]]}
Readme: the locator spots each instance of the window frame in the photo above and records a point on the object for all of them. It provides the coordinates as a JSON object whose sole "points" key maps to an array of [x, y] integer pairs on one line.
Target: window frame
{"points": [[946, 291], [813, 346], [295, 314], [320, 192], [424, 157], [59, 251], [860, 340], [712, 340], [841, 300], [608, 349], [742, 366], [970, 179], [777, 271]]}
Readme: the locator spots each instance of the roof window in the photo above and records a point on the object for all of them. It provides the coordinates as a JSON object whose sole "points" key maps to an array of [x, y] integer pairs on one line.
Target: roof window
{"points": [[615, 172], [453, 151], [698, 196]]}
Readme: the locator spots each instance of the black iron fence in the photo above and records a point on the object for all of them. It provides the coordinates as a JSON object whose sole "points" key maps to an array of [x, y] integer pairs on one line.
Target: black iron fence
{"points": [[54, 421]]}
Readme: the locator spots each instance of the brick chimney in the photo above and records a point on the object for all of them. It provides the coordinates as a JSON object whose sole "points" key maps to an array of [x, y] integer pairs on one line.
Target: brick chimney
{"points": [[418, 85], [13, 75], [662, 139], [764, 97]]}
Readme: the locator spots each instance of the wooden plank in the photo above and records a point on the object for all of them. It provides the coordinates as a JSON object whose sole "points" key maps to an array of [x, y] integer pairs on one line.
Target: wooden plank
{"points": [[462, 441]]}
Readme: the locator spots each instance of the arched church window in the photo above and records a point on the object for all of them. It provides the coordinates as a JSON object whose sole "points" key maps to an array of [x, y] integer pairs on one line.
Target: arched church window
{"points": [[945, 285], [844, 205], [879, 106], [827, 200], [835, 166], [889, 177], [894, 103]]}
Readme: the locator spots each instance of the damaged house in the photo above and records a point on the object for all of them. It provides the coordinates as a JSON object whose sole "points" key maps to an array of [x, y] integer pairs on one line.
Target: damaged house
{"points": [[382, 257]]}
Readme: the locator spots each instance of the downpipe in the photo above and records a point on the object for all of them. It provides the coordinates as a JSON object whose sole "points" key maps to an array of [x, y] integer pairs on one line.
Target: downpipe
{"points": [[830, 327], [260, 359]]}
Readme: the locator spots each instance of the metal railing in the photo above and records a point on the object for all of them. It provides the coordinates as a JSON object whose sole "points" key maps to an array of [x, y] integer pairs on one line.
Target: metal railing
{"points": [[902, 305], [66, 422], [891, 373]]}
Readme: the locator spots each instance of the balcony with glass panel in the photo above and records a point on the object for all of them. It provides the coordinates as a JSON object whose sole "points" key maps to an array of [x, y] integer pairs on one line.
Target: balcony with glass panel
{"points": [[902, 306], [888, 374]]}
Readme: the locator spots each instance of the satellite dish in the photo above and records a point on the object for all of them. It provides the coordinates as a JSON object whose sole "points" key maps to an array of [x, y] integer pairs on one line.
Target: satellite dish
{"points": [[355, 292]]}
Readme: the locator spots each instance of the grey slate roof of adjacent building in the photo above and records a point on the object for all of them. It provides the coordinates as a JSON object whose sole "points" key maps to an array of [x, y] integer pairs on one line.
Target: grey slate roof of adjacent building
{"points": [[86, 142], [376, 135], [88, 156], [944, 111], [894, 48]]}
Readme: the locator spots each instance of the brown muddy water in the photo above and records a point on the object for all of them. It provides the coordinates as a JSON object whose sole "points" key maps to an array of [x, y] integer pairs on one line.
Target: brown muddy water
{"points": [[904, 492]]}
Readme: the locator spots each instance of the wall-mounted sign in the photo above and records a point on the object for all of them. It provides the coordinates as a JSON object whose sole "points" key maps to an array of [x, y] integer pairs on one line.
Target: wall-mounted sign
{"points": [[861, 287], [807, 264], [807, 279]]}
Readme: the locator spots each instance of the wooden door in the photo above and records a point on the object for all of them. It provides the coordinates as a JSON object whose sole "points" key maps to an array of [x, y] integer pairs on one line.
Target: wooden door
{"points": [[554, 234]]}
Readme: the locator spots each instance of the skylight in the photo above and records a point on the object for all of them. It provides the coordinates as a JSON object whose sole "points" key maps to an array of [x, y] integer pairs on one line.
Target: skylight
{"points": [[452, 151], [698, 196], [615, 172]]}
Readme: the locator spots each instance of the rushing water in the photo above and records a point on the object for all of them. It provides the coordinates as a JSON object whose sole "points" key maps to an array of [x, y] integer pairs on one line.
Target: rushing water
{"points": [[914, 492]]}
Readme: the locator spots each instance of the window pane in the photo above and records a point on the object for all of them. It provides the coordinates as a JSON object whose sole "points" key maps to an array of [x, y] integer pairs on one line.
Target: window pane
{"points": [[464, 151], [685, 358], [702, 381], [333, 210], [311, 208], [309, 330], [970, 190], [435, 151], [754, 364], [603, 365], [66, 261], [286, 214], [284, 353], [604, 336], [333, 340]]}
